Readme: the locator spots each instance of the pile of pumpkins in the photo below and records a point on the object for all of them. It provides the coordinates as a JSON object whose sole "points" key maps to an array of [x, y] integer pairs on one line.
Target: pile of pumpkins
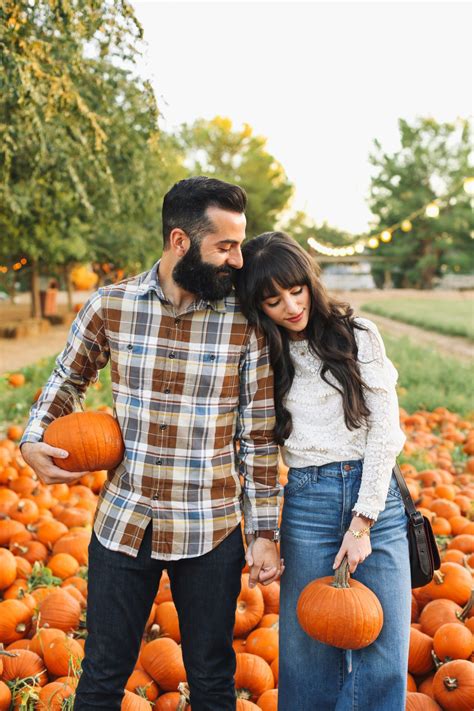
{"points": [[44, 536]]}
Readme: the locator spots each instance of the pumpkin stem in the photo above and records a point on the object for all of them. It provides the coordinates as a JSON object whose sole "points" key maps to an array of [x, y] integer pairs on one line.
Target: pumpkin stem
{"points": [[184, 698], [450, 682], [437, 661], [467, 608], [438, 577], [341, 576]]}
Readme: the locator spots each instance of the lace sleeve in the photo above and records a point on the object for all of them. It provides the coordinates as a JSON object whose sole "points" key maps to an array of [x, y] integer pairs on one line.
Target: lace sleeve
{"points": [[385, 438]]}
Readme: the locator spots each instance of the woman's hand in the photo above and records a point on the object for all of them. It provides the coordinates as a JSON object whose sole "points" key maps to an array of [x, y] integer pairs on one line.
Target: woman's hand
{"points": [[356, 549]]}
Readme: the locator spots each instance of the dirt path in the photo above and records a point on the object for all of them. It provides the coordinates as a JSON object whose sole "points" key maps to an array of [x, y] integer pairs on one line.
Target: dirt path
{"points": [[17, 353], [456, 346]]}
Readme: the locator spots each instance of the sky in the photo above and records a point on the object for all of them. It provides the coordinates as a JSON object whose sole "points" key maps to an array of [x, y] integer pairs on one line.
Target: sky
{"points": [[320, 80]]}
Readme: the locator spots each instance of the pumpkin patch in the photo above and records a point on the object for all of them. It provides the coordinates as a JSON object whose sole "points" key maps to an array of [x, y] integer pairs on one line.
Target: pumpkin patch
{"points": [[44, 535]]}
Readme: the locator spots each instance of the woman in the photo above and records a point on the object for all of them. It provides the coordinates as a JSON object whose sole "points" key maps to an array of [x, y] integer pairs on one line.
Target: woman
{"points": [[338, 423]]}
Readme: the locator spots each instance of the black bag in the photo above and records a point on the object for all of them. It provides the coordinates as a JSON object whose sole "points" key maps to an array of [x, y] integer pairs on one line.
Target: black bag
{"points": [[424, 554]]}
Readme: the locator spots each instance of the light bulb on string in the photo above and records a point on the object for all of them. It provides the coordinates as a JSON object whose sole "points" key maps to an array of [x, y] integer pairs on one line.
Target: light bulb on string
{"points": [[386, 236], [468, 186], [373, 243], [406, 226], [432, 210], [359, 248]]}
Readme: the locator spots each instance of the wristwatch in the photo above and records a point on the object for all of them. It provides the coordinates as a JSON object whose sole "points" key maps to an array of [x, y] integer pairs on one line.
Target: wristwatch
{"points": [[271, 535]]}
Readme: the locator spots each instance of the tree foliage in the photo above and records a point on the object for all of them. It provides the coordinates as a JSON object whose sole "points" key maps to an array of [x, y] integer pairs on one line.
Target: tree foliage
{"points": [[431, 163], [216, 149]]}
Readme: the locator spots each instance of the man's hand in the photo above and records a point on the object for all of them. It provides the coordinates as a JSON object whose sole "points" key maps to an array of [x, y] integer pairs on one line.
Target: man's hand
{"points": [[263, 561], [39, 456]]}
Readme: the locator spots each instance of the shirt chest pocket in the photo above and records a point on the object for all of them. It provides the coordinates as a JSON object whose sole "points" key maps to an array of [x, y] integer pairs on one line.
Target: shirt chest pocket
{"points": [[136, 366], [213, 374]]}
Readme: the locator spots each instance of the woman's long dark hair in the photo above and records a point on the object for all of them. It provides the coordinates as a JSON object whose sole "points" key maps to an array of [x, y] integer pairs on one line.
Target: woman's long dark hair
{"points": [[275, 258]]}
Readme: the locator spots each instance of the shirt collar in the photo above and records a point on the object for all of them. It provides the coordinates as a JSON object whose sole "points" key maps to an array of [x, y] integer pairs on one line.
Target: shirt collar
{"points": [[151, 282]]}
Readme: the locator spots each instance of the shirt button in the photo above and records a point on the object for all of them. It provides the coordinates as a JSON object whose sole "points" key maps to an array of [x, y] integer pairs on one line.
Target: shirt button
{"points": [[130, 347], [155, 497], [167, 391], [163, 427], [158, 461], [212, 357], [177, 320], [172, 355]]}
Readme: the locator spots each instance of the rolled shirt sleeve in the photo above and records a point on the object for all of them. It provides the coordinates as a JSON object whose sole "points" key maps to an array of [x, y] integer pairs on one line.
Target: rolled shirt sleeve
{"points": [[85, 353]]}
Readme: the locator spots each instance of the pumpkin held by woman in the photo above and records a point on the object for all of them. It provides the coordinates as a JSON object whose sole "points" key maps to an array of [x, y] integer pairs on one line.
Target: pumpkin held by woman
{"points": [[340, 611]]}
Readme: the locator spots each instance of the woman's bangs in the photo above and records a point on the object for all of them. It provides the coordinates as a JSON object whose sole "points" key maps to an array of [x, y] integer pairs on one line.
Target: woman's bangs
{"points": [[284, 271]]}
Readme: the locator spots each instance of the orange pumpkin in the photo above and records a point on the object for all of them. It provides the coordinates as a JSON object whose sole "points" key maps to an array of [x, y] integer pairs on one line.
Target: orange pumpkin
{"points": [[162, 659], [420, 660], [263, 642], [140, 681], [167, 618], [15, 620], [453, 641], [24, 663], [63, 656], [7, 568], [420, 702], [5, 697], [60, 610], [340, 611], [250, 608], [92, 439], [268, 701], [52, 696], [16, 380], [451, 581], [453, 686], [253, 676], [133, 702]]}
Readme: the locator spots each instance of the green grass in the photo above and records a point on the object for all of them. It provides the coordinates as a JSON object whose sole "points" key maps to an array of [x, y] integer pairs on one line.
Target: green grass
{"points": [[453, 317], [15, 403], [428, 380]]}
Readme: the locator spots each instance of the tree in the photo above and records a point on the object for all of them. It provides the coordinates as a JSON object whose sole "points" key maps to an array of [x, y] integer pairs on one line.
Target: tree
{"points": [[55, 174], [214, 148], [432, 162], [301, 228]]}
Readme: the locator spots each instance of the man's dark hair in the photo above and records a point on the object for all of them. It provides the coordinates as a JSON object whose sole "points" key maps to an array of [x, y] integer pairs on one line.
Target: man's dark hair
{"points": [[184, 206]]}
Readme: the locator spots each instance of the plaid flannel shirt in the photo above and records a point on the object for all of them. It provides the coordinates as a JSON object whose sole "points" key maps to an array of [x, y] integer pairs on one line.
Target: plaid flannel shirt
{"points": [[186, 387]]}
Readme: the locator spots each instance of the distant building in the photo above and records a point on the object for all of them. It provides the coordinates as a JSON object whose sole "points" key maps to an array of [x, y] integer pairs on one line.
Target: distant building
{"points": [[346, 276]]}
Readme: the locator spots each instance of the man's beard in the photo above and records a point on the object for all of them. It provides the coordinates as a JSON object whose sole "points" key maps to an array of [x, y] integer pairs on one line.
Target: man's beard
{"points": [[205, 280]]}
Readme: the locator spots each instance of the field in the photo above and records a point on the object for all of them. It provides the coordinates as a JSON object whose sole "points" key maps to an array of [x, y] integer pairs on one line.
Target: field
{"points": [[453, 317]]}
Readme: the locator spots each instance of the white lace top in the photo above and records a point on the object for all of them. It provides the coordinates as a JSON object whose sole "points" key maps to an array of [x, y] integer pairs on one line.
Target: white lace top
{"points": [[320, 435]]}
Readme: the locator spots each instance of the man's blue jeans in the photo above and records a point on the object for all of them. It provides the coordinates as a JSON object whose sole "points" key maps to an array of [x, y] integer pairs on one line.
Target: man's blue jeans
{"points": [[121, 592], [315, 676]]}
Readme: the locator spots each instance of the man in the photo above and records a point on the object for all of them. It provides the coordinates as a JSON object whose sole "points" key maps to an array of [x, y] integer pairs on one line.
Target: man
{"points": [[190, 378]]}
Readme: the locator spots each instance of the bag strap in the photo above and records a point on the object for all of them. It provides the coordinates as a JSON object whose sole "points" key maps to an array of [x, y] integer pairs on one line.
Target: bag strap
{"points": [[406, 496]]}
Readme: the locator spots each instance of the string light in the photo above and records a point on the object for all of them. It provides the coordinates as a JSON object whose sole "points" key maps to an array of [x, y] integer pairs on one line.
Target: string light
{"points": [[432, 210], [468, 186]]}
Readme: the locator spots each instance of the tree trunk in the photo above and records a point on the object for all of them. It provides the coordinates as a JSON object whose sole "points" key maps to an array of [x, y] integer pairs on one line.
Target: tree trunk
{"points": [[67, 279], [35, 291], [11, 290]]}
